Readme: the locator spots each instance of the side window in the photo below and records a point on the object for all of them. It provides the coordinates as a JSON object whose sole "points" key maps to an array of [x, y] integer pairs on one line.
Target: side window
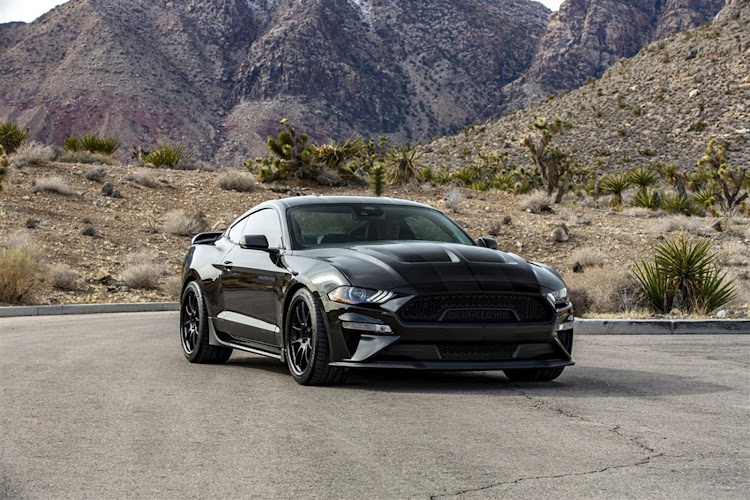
{"points": [[236, 231], [265, 222]]}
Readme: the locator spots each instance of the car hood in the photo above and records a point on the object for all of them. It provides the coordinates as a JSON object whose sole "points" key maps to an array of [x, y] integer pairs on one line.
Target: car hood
{"points": [[423, 267]]}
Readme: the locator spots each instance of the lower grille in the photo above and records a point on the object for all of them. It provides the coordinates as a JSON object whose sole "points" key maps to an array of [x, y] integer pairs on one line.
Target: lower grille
{"points": [[477, 352], [477, 308]]}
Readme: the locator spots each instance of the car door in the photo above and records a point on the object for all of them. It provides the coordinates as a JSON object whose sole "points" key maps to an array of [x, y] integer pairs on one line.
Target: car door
{"points": [[252, 281]]}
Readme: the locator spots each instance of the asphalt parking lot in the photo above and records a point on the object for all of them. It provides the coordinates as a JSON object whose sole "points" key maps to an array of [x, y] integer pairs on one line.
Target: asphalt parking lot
{"points": [[105, 406]]}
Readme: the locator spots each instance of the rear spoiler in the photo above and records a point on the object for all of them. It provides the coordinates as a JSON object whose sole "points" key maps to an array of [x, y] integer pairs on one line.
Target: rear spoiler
{"points": [[206, 238]]}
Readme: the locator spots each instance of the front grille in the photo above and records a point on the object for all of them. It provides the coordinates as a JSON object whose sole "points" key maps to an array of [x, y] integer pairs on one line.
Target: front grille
{"points": [[477, 352], [477, 308]]}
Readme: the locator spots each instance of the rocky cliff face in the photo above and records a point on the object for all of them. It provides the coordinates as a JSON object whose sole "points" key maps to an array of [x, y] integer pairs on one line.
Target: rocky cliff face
{"points": [[663, 105], [588, 36], [219, 75]]}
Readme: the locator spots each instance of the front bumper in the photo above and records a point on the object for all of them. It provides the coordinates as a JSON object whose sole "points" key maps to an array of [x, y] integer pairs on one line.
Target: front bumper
{"points": [[362, 337]]}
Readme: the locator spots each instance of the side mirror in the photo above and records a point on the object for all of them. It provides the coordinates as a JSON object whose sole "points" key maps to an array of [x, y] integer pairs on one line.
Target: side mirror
{"points": [[487, 242], [256, 241]]}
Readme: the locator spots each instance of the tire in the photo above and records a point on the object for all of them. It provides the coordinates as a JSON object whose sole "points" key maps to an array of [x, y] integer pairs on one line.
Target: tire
{"points": [[306, 343], [194, 329], [530, 375]]}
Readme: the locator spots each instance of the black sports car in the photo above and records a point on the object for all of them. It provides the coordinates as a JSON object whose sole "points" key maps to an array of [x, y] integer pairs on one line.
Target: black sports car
{"points": [[326, 284]]}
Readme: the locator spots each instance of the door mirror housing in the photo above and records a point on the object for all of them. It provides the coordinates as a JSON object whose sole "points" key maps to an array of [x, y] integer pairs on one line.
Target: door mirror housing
{"points": [[487, 242], [254, 241]]}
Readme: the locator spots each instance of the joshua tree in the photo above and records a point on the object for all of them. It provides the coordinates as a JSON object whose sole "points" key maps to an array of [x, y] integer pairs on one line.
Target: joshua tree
{"points": [[294, 156], [551, 161], [729, 181]]}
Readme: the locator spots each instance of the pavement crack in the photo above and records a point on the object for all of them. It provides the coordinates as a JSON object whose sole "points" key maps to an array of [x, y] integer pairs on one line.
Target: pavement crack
{"points": [[641, 462]]}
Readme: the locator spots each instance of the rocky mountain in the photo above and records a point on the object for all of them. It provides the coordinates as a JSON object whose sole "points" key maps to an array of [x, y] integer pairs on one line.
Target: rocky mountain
{"points": [[219, 75], [585, 37], [664, 104]]}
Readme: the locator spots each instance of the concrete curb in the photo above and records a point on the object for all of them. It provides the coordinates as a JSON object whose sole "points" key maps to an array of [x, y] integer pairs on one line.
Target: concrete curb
{"points": [[661, 326], [7, 312], [582, 326]]}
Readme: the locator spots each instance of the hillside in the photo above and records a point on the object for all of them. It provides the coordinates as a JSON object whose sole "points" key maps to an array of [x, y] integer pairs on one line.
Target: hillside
{"points": [[219, 75], [586, 37], [664, 104]]}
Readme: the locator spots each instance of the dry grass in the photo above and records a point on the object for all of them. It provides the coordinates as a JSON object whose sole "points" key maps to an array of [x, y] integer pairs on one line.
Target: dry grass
{"points": [[537, 202], [143, 271], [236, 181], [453, 200], [19, 275], [587, 257], [610, 290], [143, 177], [734, 253], [63, 277], [52, 184], [32, 153], [742, 299], [172, 286], [693, 225], [87, 157], [96, 173], [181, 223]]}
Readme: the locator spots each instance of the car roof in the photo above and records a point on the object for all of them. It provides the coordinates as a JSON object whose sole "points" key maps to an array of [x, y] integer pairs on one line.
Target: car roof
{"points": [[298, 201]]}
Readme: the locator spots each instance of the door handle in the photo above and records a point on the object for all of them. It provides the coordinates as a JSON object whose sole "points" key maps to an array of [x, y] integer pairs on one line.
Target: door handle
{"points": [[228, 265]]}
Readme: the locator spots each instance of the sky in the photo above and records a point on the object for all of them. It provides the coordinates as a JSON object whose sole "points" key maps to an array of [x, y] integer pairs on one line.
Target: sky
{"points": [[28, 10]]}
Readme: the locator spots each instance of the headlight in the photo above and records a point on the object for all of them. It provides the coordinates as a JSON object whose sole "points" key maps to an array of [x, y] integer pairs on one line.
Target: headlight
{"points": [[558, 296], [356, 295]]}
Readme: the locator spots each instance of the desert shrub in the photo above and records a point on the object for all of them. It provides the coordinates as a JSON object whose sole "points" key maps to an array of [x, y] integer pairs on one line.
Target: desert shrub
{"points": [[377, 179], [52, 184], [142, 177], [537, 202], [62, 277], [92, 143], [587, 257], [87, 157], [168, 155], [454, 199], [674, 223], [32, 153], [181, 223], [142, 271], [609, 289], [684, 274], [96, 173], [19, 274], [172, 286], [581, 300], [235, 181], [12, 136], [89, 230]]}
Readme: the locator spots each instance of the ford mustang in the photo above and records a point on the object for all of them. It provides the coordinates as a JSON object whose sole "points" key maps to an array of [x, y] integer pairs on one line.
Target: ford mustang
{"points": [[330, 284]]}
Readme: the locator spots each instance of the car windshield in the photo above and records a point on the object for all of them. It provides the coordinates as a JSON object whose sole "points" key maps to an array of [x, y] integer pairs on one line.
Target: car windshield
{"points": [[317, 225]]}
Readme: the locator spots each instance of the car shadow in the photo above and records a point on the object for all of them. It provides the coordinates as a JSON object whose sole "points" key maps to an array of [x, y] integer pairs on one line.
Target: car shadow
{"points": [[576, 381]]}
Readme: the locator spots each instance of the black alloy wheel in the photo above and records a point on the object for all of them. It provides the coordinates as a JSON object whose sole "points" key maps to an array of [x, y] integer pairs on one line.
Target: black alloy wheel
{"points": [[306, 343], [194, 329]]}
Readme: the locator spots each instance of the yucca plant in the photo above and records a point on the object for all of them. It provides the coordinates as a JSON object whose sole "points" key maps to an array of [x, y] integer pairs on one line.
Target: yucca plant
{"points": [[92, 143], [676, 203], [377, 178], [615, 185], [647, 198], [426, 173], [12, 136], [167, 155], [643, 178], [684, 273], [338, 156], [404, 162], [442, 178]]}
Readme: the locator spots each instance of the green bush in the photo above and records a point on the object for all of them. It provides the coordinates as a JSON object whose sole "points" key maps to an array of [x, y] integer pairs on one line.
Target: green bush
{"points": [[11, 136], [167, 155], [683, 274]]}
